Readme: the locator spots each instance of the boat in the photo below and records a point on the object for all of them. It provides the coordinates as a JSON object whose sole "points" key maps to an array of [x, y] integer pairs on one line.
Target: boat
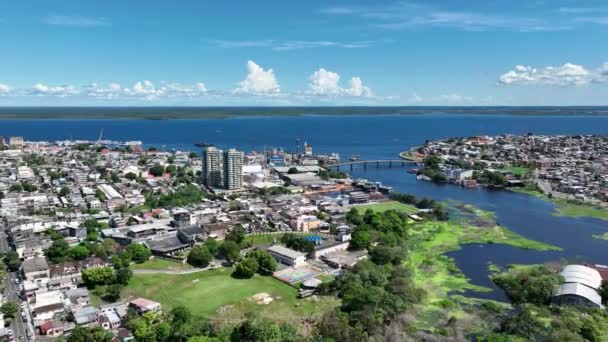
{"points": [[414, 171], [354, 157], [203, 144]]}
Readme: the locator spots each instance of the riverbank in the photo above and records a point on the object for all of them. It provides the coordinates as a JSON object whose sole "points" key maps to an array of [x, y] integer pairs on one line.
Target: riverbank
{"points": [[191, 112], [569, 208]]}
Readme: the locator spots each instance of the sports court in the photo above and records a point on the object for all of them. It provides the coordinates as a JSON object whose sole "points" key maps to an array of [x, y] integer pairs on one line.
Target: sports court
{"points": [[293, 275]]}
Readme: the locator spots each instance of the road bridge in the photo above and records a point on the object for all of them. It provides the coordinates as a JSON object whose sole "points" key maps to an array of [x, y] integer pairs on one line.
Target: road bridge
{"points": [[378, 163]]}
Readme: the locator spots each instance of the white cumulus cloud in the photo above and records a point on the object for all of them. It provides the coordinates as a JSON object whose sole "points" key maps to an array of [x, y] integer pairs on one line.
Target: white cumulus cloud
{"points": [[148, 90], [259, 81], [110, 91], [46, 90], [327, 83], [4, 89], [566, 75]]}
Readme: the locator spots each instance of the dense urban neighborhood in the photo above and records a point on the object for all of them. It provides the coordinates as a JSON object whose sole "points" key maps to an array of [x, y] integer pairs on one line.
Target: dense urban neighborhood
{"points": [[114, 241], [559, 165]]}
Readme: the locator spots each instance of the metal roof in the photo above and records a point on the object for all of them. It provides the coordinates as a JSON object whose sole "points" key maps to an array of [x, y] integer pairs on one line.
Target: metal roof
{"points": [[583, 275], [285, 251], [581, 291]]}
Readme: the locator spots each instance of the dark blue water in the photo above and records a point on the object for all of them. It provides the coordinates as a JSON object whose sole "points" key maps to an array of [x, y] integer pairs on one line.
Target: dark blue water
{"points": [[379, 137]]}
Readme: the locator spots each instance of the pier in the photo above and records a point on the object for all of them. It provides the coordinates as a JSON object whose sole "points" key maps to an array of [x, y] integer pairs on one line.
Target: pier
{"points": [[378, 163]]}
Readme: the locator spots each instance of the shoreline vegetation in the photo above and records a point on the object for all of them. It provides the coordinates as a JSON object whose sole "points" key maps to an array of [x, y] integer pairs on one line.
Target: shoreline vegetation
{"points": [[569, 208], [445, 284], [184, 112]]}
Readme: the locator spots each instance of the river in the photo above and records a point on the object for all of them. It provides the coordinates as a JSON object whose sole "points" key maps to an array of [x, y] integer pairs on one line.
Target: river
{"points": [[373, 137]]}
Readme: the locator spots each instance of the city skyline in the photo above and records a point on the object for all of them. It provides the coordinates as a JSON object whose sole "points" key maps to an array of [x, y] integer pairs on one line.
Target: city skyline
{"points": [[313, 53]]}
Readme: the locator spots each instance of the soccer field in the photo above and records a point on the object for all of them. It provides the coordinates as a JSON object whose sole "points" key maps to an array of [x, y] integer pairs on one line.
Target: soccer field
{"points": [[204, 292]]}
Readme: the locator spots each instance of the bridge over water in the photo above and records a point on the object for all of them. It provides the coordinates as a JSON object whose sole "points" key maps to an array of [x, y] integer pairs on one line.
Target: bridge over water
{"points": [[378, 163]]}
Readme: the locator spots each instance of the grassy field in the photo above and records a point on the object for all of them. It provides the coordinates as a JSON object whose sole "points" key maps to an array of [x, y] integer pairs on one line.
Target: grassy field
{"points": [[205, 292], [161, 264], [440, 277], [518, 170], [566, 208], [263, 239], [390, 205]]}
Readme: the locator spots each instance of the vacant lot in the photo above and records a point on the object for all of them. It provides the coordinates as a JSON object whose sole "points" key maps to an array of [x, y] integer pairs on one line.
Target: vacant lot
{"points": [[205, 292]]}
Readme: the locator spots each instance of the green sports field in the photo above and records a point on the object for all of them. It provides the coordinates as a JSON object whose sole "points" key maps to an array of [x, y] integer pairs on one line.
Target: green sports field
{"points": [[205, 292]]}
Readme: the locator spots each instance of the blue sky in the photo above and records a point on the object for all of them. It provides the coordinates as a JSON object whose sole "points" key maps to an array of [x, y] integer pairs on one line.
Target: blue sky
{"points": [[315, 52]]}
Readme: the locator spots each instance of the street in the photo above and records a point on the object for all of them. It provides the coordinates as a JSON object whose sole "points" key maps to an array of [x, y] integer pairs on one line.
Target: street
{"points": [[11, 293]]}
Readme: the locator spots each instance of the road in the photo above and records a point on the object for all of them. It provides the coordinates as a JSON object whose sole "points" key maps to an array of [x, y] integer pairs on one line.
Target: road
{"points": [[11, 292]]}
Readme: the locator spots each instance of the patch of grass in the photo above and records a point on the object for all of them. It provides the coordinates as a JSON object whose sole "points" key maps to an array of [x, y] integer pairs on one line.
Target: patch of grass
{"points": [[518, 170], [572, 209], [601, 236], [205, 292], [326, 278], [161, 264], [389, 205], [263, 239]]}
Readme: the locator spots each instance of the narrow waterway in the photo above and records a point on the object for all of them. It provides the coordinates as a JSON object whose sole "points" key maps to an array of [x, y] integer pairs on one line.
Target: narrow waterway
{"points": [[527, 215]]}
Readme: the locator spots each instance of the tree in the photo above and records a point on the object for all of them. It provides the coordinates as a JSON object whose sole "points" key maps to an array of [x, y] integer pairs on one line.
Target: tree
{"points": [[181, 323], [230, 251], [432, 162], [212, 245], [143, 330], [360, 239], [15, 188], [121, 260], [79, 252], [98, 276], [9, 309], [64, 191], [157, 170], [292, 170], [247, 267], [266, 262], [89, 334], [261, 329], [123, 275], [199, 256], [100, 195], [131, 176], [172, 169], [237, 234], [525, 325], [29, 187], [535, 284], [113, 292], [12, 261], [139, 253], [58, 251]]}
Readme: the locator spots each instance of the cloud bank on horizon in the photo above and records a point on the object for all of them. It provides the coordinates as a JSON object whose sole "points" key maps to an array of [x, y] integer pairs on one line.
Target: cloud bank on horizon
{"points": [[387, 52]]}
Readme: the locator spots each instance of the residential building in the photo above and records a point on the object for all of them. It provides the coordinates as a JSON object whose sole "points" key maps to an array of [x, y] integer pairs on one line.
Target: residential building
{"points": [[233, 169], [212, 167]]}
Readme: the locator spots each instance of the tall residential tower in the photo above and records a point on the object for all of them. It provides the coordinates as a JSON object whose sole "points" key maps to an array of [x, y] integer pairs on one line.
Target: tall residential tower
{"points": [[233, 169], [212, 167]]}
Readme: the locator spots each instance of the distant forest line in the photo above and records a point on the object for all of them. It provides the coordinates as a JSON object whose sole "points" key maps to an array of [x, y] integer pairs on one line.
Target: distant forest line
{"points": [[165, 113]]}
